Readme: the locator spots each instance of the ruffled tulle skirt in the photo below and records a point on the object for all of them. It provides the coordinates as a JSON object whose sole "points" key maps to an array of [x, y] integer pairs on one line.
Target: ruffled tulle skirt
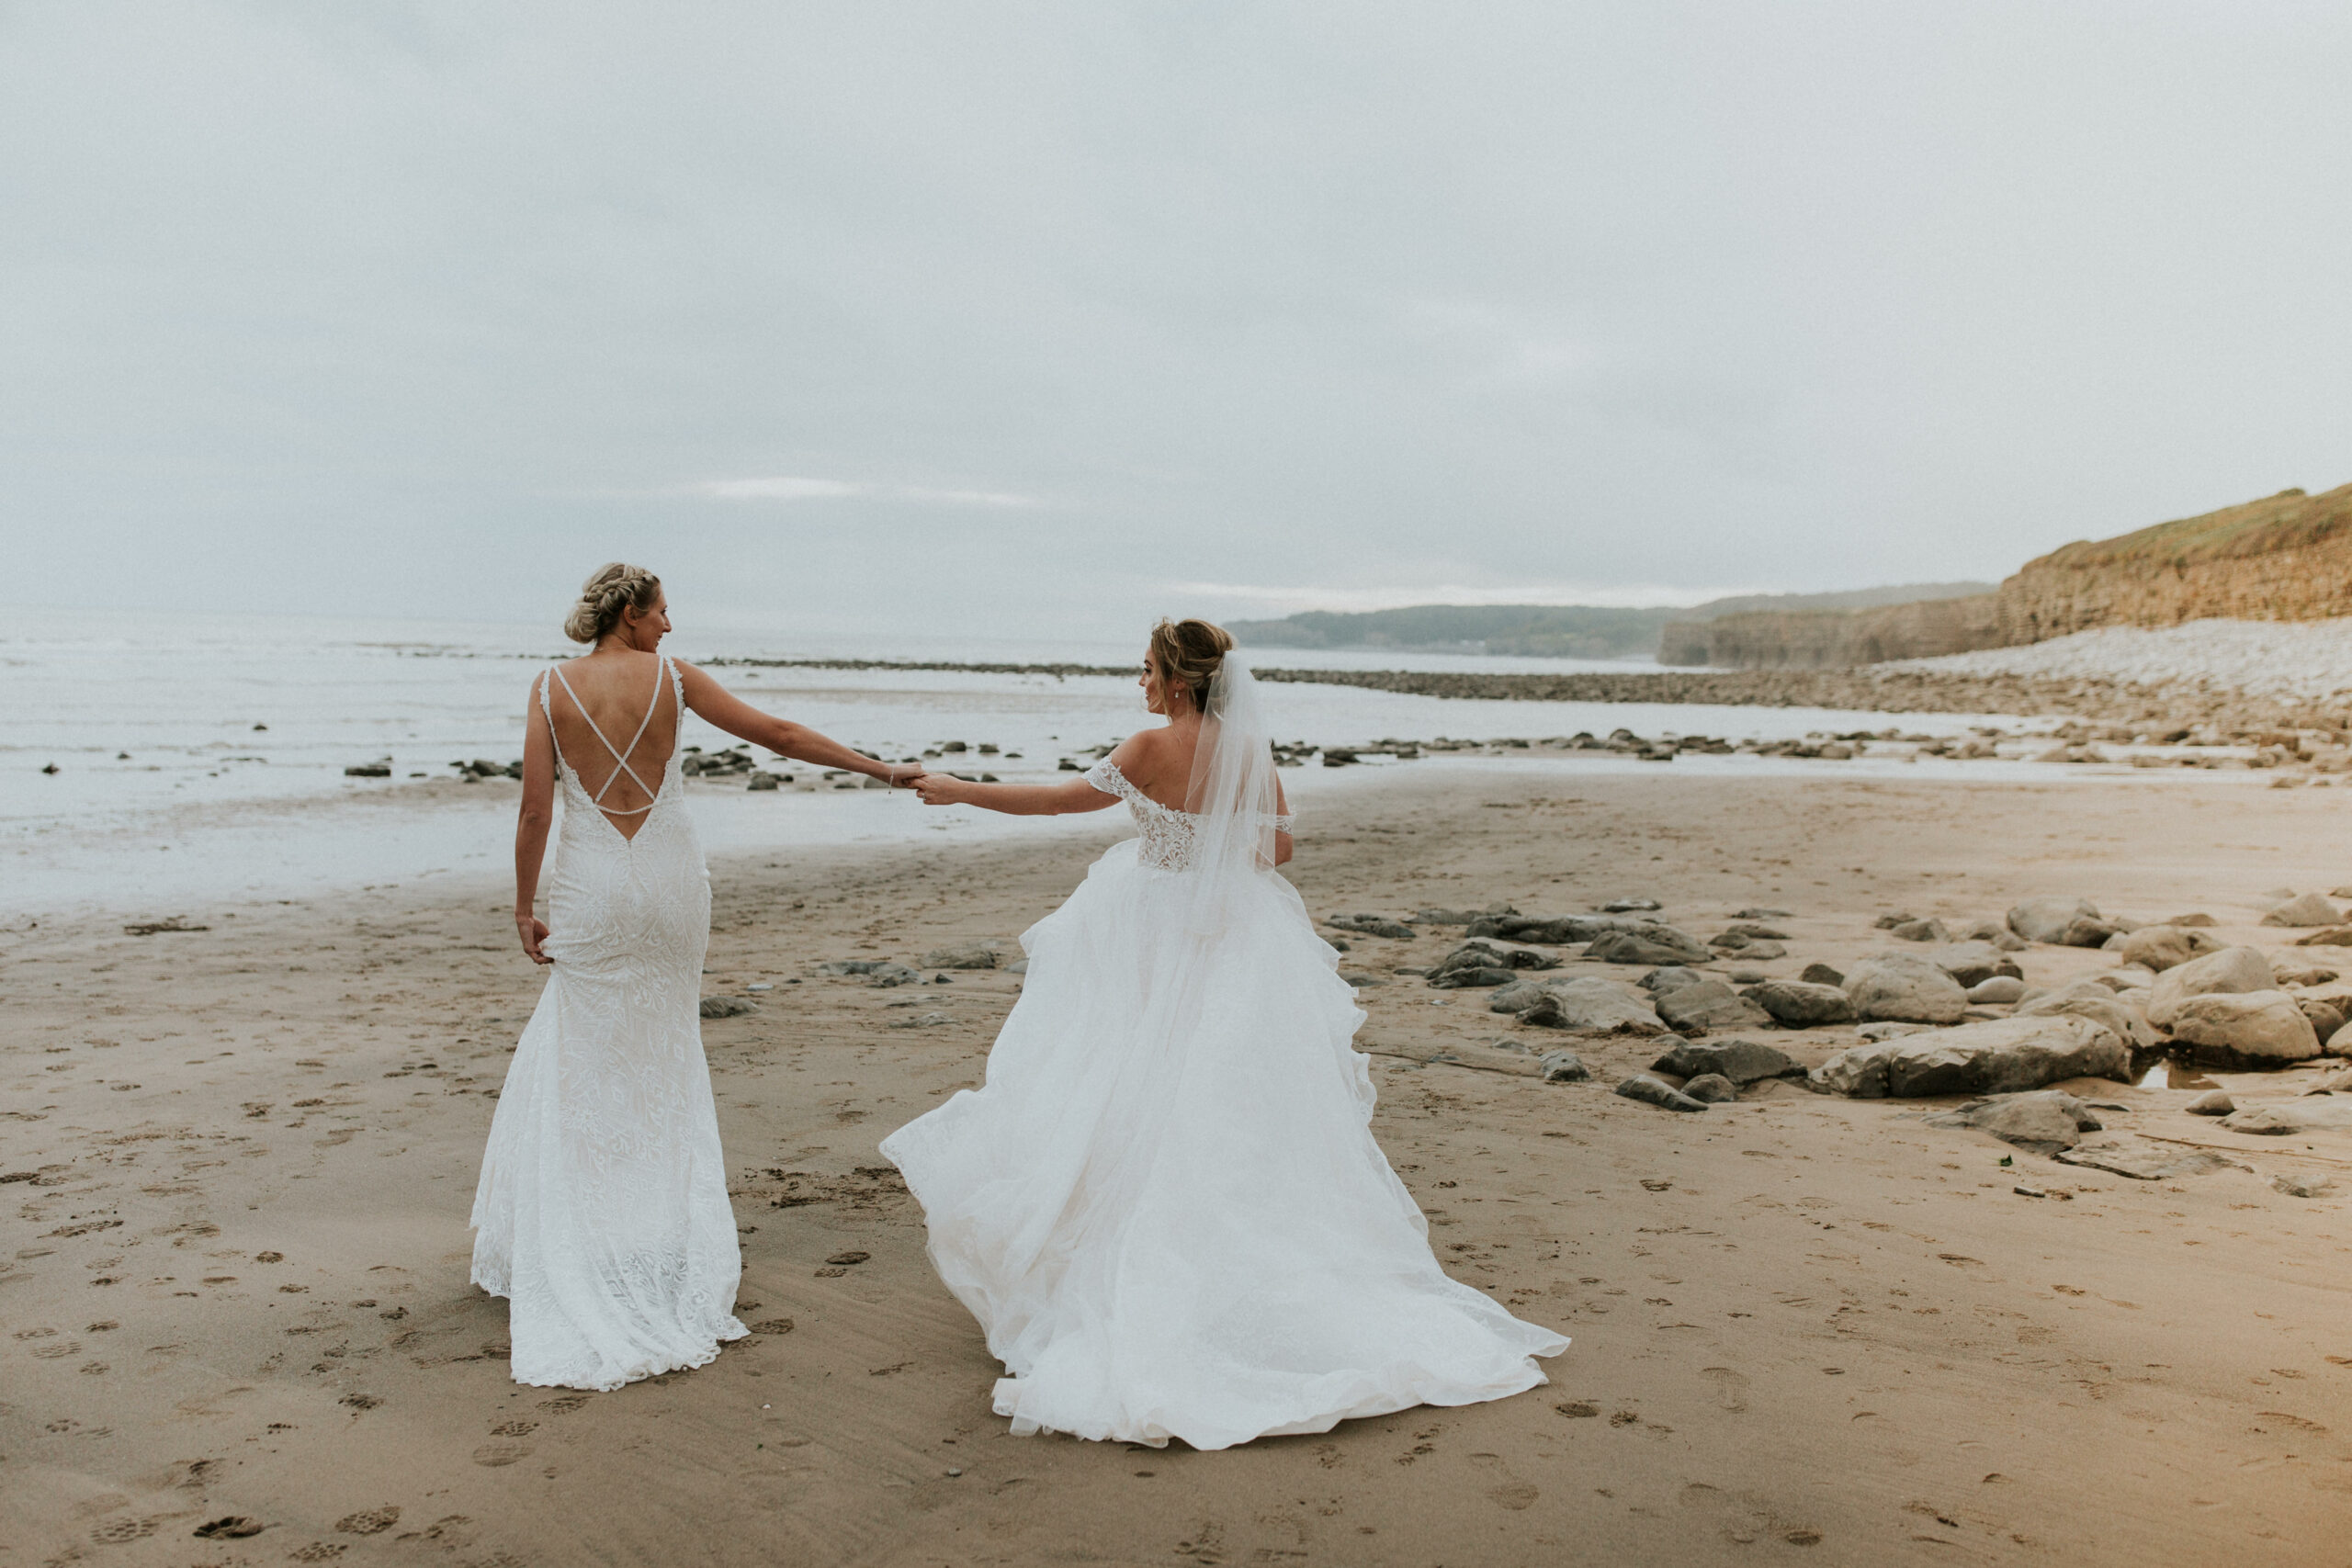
{"points": [[1166, 1207]]}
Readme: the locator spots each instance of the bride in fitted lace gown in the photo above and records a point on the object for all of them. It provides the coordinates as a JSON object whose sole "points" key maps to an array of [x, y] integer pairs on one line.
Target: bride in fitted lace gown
{"points": [[1165, 1207], [602, 1213]]}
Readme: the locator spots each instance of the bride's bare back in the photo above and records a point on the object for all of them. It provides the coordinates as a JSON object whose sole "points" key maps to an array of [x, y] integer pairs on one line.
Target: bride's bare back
{"points": [[613, 728]]}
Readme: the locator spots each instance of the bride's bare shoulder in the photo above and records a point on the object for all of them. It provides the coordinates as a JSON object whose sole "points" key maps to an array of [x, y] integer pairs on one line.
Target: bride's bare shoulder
{"points": [[1139, 752]]}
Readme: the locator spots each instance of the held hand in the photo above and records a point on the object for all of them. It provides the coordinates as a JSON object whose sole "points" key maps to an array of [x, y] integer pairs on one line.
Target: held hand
{"points": [[940, 789], [904, 774], [533, 932]]}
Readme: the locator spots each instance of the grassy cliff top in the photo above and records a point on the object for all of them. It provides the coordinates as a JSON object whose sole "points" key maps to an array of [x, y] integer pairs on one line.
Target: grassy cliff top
{"points": [[2286, 521]]}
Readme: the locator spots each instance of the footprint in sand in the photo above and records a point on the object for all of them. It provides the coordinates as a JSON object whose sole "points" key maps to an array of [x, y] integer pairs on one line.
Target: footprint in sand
{"points": [[493, 1455], [374, 1521], [1730, 1387], [1512, 1492], [564, 1403]]}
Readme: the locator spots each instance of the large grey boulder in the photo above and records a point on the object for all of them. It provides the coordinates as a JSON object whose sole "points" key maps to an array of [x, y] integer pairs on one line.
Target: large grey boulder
{"points": [[2042, 1123], [1710, 1004], [2307, 909], [1901, 988], [2004, 1055], [2165, 947], [2089, 998], [2232, 969], [1592, 1006], [2062, 923], [1972, 962], [1800, 1004], [1651, 944], [2263, 1027], [1742, 1061]]}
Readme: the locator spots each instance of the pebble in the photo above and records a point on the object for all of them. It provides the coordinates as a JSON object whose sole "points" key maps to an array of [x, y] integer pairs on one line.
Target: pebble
{"points": [[2213, 1102]]}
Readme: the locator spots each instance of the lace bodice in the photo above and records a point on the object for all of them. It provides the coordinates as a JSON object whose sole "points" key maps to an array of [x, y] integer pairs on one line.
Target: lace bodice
{"points": [[1168, 833]]}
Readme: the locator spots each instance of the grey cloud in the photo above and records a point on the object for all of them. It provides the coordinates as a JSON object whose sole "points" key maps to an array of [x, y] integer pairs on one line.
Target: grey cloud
{"points": [[314, 303]]}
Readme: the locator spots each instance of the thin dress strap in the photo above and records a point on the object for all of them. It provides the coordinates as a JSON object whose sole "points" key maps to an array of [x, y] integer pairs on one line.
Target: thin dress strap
{"points": [[548, 709], [621, 757]]}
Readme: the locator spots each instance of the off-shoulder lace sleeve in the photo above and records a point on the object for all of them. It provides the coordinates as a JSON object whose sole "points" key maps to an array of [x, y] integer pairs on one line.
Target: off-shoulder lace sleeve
{"points": [[1105, 776]]}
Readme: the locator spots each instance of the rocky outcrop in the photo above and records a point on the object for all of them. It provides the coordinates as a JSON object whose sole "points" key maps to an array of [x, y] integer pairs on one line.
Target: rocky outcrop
{"points": [[1831, 639], [2288, 558]]}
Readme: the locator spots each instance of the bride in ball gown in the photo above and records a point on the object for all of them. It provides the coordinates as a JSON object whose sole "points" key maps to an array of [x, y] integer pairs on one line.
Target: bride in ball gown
{"points": [[1165, 1207], [602, 1213]]}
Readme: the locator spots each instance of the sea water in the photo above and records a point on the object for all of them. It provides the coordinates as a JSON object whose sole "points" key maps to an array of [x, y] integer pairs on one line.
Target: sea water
{"points": [[201, 757]]}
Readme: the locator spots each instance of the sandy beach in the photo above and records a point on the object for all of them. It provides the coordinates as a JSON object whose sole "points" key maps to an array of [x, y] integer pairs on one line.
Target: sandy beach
{"points": [[239, 1162]]}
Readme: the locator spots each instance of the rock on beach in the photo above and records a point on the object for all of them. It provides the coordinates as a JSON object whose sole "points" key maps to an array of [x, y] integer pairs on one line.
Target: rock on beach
{"points": [[1650, 944], [2003, 1055], [2060, 922], [2042, 1121], [1902, 988], [2263, 1027], [1709, 1003], [2233, 969]]}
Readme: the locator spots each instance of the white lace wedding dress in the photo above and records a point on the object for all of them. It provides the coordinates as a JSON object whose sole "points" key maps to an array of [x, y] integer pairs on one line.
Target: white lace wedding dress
{"points": [[601, 1213], [1166, 1208]]}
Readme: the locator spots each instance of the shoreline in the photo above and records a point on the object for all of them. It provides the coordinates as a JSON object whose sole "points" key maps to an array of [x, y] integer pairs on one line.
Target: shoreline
{"points": [[251, 854]]}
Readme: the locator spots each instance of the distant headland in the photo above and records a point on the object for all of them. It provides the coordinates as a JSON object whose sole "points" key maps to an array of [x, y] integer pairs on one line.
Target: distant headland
{"points": [[2285, 558]]}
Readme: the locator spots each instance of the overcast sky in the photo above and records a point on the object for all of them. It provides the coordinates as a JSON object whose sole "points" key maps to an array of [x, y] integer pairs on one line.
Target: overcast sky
{"points": [[878, 316]]}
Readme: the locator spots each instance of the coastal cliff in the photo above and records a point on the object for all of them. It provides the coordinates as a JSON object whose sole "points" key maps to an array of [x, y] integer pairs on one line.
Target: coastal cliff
{"points": [[2286, 557], [1831, 639]]}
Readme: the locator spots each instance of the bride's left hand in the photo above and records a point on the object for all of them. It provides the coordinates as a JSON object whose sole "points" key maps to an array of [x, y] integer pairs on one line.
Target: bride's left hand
{"points": [[940, 789]]}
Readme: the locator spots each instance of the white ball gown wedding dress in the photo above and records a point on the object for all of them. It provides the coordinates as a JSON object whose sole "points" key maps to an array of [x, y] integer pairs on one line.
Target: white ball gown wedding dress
{"points": [[1165, 1207], [602, 1213]]}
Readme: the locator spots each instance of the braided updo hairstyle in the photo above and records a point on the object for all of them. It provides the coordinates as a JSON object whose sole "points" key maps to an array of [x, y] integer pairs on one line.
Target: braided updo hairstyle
{"points": [[1190, 653], [610, 588]]}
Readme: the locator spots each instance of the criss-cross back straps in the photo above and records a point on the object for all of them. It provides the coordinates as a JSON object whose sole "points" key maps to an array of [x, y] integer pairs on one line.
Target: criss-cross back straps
{"points": [[620, 756]]}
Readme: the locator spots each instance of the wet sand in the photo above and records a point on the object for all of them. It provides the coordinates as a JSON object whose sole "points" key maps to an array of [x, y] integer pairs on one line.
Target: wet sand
{"points": [[239, 1163]]}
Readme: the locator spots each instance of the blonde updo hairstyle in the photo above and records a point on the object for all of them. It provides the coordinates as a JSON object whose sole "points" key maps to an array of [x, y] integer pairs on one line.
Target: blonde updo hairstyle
{"points": [[1189, 654], [610, 588]]}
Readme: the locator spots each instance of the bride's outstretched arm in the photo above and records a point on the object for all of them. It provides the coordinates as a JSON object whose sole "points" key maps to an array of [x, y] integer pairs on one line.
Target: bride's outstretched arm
{"points": [[1016, 800], [797, 741]]}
